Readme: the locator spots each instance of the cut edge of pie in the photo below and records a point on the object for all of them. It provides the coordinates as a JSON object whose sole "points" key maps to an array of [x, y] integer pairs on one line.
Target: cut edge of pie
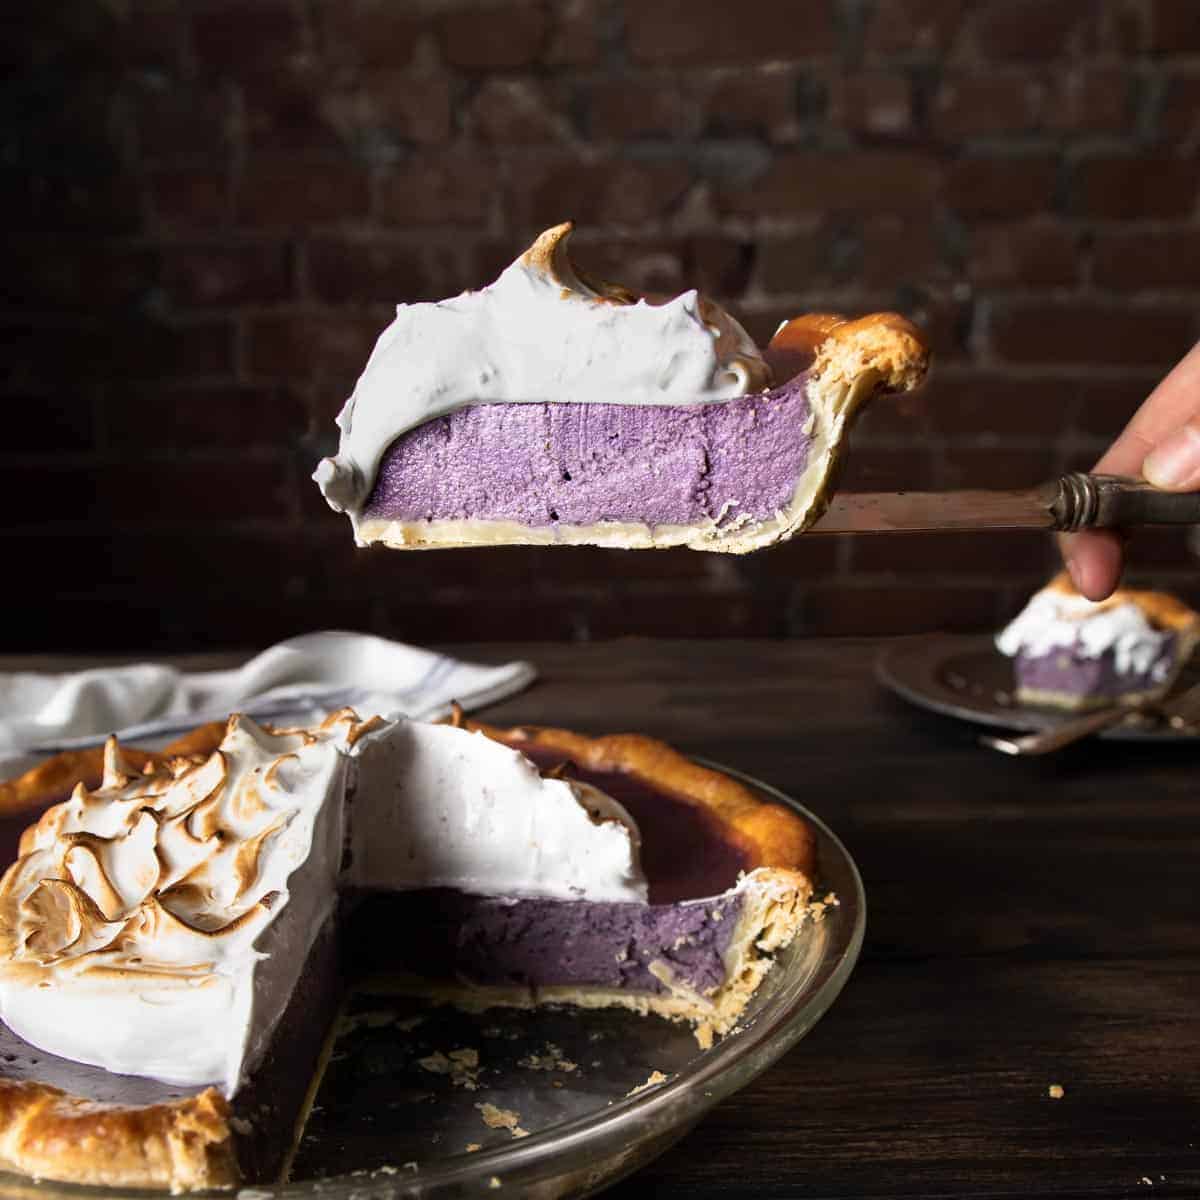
{"points": [[191, 1142]]}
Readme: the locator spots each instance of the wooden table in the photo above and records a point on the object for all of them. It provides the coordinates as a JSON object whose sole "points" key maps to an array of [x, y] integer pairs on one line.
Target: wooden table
{"points": [[1030, 923]]}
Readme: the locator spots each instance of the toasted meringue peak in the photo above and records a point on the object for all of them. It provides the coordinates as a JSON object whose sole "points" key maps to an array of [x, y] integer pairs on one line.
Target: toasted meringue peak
{"points": [[543, 332]]}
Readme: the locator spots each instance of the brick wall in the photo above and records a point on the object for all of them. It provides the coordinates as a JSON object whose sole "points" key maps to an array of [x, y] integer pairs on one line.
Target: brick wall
{"points": [[211, 207]]}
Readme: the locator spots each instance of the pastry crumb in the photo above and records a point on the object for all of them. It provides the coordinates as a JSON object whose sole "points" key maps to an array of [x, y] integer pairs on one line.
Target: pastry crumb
{"points": [[473, 1146], [494, 1182], [652, 1080], [704, 1035], [551, 1060], [461, 1065], [502, 1118], [1055, 1091]]}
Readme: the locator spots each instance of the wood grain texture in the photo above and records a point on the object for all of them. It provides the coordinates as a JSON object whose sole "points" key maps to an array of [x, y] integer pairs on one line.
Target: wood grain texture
{"points": [[1030, 923]]}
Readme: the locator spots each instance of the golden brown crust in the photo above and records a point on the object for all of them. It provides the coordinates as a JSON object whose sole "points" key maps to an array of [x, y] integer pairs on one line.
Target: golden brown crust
{"points": [[179, 1144], [1160, 608], [769, 834], [884, 343]]}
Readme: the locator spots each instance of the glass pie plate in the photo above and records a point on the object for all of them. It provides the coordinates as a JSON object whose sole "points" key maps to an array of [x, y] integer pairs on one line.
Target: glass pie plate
{"points": [[416, 1099]]}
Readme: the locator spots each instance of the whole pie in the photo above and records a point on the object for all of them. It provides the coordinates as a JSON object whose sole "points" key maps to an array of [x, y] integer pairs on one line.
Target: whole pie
{"points": [[550, 408], [175, 936], [1071, 652]]}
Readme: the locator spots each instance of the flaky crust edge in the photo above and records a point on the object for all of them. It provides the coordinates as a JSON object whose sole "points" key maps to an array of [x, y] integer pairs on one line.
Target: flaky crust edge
{"points": [[769, 834], [849, 361], [180, 1145]]}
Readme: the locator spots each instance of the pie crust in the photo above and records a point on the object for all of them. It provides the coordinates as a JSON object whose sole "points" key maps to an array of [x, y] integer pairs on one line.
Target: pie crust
{"points": [[848, 362], [191, 1142]]}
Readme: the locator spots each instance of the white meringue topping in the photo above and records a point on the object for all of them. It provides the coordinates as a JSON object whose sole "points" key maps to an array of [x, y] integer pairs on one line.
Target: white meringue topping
{"points": [[1057, 620], [541, 333]]}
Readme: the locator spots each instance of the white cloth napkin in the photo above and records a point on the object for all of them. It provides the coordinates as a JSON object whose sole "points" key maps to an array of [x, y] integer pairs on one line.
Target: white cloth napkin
{"points": [[304, 677]]}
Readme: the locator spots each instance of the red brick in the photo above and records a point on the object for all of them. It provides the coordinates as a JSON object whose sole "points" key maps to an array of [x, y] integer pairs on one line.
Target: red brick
{"points": [[1033, 29], [1091, 100], [720, 266], [868, 182], [1107, 404], [284, 110], [985, 103], [793, 264], [189, 197], [182, 119], [1136, 186], [1131, 259], [945, 320], [119, 344], [846, 609], [229, 38], [1041, 255], [1086, 332], [868, 469], [1007, 186], [297, 192], [435, 189], [513, 35], [960, 553], [53, 271], [893, 416], [386, 107], [364, 271], [65, 494], [710, 31], [648, 265], [598, 192], [755, 104], [296, 345], [627, 109], [151, 493], [375, 33], [905, 27], [198, 276], [81, 202], [160, 419], [1174, 27], [575, 37], [148, 493], [518, 110], [995, 467], [875, 103], [52, 422], [802, 559], [981, 403], [1180, 115], [895, 251]]}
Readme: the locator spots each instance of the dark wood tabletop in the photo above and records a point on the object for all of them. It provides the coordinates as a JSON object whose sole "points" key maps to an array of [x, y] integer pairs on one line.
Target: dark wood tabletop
{"points": [[1031, 923]]}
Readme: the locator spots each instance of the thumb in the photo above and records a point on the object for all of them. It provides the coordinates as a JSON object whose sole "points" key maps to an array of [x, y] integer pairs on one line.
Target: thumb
{"points": [[1174, 464]]}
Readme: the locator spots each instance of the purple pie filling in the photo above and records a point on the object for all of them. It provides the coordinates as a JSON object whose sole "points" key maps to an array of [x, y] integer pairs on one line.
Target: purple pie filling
{"points": [[576, 464], [1069, 673]]}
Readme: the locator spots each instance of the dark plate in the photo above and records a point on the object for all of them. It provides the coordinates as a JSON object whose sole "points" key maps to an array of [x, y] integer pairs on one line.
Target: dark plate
{"points": [[965, 676]]}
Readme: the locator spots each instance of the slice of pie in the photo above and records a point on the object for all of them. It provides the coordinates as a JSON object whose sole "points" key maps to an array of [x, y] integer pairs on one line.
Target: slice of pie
{"points": [[549, 408], [174, 942], [1071, 652]]}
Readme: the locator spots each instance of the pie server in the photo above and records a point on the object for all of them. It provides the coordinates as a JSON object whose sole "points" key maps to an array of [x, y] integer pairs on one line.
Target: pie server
{"points": [[1074, 501]]}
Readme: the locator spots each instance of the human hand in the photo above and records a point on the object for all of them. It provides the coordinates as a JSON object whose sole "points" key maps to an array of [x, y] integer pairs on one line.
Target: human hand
{"points": [[1161, 443]]}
